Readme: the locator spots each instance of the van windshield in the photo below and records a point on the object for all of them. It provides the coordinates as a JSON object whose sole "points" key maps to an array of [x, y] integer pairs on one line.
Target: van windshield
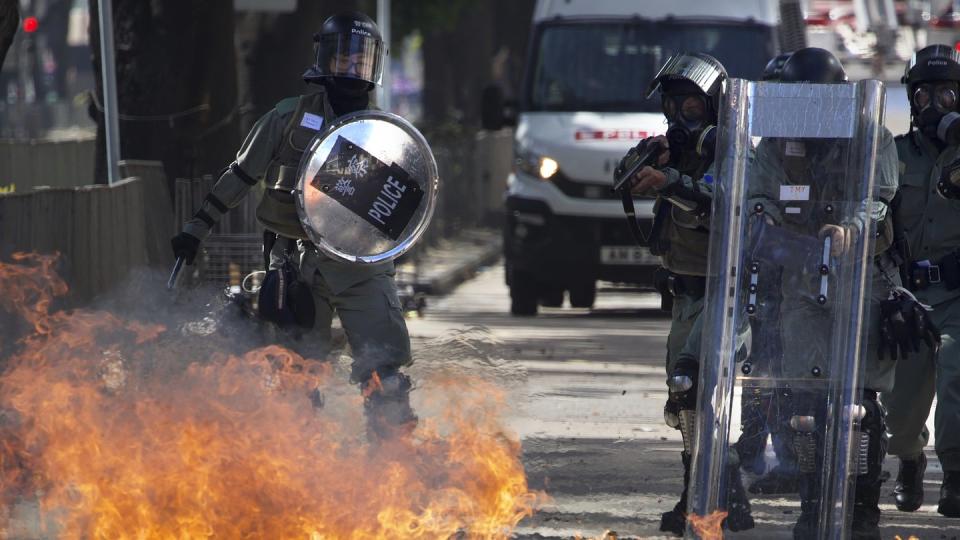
{"points": [[606, 67]]}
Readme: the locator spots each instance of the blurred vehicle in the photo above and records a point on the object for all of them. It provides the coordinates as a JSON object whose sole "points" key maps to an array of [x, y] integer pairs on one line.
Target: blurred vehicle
{"points": [[582, 106]]}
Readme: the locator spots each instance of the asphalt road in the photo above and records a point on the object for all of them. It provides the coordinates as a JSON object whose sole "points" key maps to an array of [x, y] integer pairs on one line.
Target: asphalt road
{"points": [[586, 390]]}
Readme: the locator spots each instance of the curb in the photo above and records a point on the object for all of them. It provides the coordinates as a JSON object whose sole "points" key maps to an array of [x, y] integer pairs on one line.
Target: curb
{"points": [[455, 261]]}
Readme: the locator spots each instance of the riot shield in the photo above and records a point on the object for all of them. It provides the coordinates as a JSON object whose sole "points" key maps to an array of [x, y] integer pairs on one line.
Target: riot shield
{"points": [[367, 187], [796, 164]]}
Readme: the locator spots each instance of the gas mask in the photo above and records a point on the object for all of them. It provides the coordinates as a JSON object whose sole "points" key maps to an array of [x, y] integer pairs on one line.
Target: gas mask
{"points": [[931, 104], [690, 133]]}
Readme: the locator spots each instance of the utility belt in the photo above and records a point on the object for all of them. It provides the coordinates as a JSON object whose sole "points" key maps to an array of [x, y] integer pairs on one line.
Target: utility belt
{"points": [[946, 271], [673, 284]]}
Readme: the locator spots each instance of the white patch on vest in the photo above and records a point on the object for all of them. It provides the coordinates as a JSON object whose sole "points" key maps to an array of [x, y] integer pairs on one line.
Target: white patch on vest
{"points": [[796, 149], [794, 193], [792, 210], [311, 121]]}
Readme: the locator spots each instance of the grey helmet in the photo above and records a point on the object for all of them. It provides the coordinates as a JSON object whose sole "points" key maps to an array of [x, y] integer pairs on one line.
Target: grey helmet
{"points": [[700, 69]]}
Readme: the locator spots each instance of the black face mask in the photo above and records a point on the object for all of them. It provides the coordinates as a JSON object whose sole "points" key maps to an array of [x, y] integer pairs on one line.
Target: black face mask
{"points": [[347, 95], [690, 134], [930, 102]]}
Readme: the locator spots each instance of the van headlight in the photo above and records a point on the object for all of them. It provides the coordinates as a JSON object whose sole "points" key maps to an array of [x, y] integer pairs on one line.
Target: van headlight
{"points": [[536, 165]]}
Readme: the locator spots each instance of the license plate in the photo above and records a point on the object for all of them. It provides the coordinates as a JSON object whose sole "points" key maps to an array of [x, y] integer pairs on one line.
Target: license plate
{"points": [[627, 255]]}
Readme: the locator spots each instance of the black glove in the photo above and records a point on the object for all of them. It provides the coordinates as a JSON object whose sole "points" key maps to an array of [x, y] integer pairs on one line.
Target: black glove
{"points": [[904, 322], [628, 160], [185, 246]]}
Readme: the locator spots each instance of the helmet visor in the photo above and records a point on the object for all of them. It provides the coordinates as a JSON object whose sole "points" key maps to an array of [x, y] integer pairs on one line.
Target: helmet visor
{"points": [[352, 56]]}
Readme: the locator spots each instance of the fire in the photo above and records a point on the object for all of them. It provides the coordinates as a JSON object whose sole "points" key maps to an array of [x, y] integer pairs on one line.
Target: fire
{"points": [[708, 527], [126, 429]]}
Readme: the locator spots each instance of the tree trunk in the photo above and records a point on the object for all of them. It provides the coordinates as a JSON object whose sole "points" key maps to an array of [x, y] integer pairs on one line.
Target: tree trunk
{"points": [[176, 84], [487, 43], [9, 22], [456, 66]]}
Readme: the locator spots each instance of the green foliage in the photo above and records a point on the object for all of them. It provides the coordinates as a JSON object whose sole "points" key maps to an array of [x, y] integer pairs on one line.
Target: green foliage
{"points": [[427, 16]]}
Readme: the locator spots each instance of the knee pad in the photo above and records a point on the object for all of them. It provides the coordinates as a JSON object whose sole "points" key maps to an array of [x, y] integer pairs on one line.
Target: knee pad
{"points": [[870, 442], [680, 411], [684, 420], [682, 383], [805, 441]]}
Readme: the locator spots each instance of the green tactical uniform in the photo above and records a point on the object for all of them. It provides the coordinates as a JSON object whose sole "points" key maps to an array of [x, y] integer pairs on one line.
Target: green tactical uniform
{"points": [[683, 240], [932, 228], [773, 168], [364, 296]]}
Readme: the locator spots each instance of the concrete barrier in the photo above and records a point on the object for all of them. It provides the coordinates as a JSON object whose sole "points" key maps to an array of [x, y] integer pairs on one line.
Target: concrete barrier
{"points": [[101, 232], [26, 164]]}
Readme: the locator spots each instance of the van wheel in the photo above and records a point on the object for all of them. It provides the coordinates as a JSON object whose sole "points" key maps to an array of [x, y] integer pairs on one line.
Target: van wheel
{"points": [[551, 296], [523, 294], [583, 295]]}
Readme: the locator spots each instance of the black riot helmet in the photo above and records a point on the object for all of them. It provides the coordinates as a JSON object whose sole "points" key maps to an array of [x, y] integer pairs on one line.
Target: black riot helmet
{"points": [[813, 65], [348, 46], [772, 71], [932, 78], [691, 86]]}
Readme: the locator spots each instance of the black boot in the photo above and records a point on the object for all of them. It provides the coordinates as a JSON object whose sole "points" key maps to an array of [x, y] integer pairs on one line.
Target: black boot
{"points": [[950, 494], [908, 492], [739, 517], [387, 407], [807, 525], [866, 497], [675, 521], [866, 509]]}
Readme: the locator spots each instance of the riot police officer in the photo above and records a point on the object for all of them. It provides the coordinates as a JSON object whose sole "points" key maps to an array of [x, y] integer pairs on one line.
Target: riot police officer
{"points": [[349, 62], [816, 167], [763, 409], [929, 215], [690, 87]]}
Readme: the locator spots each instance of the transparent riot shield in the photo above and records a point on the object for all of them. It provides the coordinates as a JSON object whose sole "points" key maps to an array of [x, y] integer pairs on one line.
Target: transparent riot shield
{"points": [[796, 164], [367, 187]]}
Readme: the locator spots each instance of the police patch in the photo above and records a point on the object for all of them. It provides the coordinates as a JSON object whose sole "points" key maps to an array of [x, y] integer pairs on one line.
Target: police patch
{"points": [[383, 195]]}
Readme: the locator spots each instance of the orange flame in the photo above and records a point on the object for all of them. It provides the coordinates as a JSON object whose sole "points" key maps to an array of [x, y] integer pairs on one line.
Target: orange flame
{"points": [[708, 527], [898, 537], [121, 434]]}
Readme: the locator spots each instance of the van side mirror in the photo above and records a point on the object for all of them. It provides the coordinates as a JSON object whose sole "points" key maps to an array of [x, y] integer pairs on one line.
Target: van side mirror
{"points": [[496, 111]]}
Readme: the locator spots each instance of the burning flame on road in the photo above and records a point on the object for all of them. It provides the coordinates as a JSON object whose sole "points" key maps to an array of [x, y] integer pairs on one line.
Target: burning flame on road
{"points": [[118, 432], [709, 527]]}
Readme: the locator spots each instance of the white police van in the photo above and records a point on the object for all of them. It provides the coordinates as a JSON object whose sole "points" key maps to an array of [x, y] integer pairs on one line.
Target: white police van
{"points": [[581, 107]]}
